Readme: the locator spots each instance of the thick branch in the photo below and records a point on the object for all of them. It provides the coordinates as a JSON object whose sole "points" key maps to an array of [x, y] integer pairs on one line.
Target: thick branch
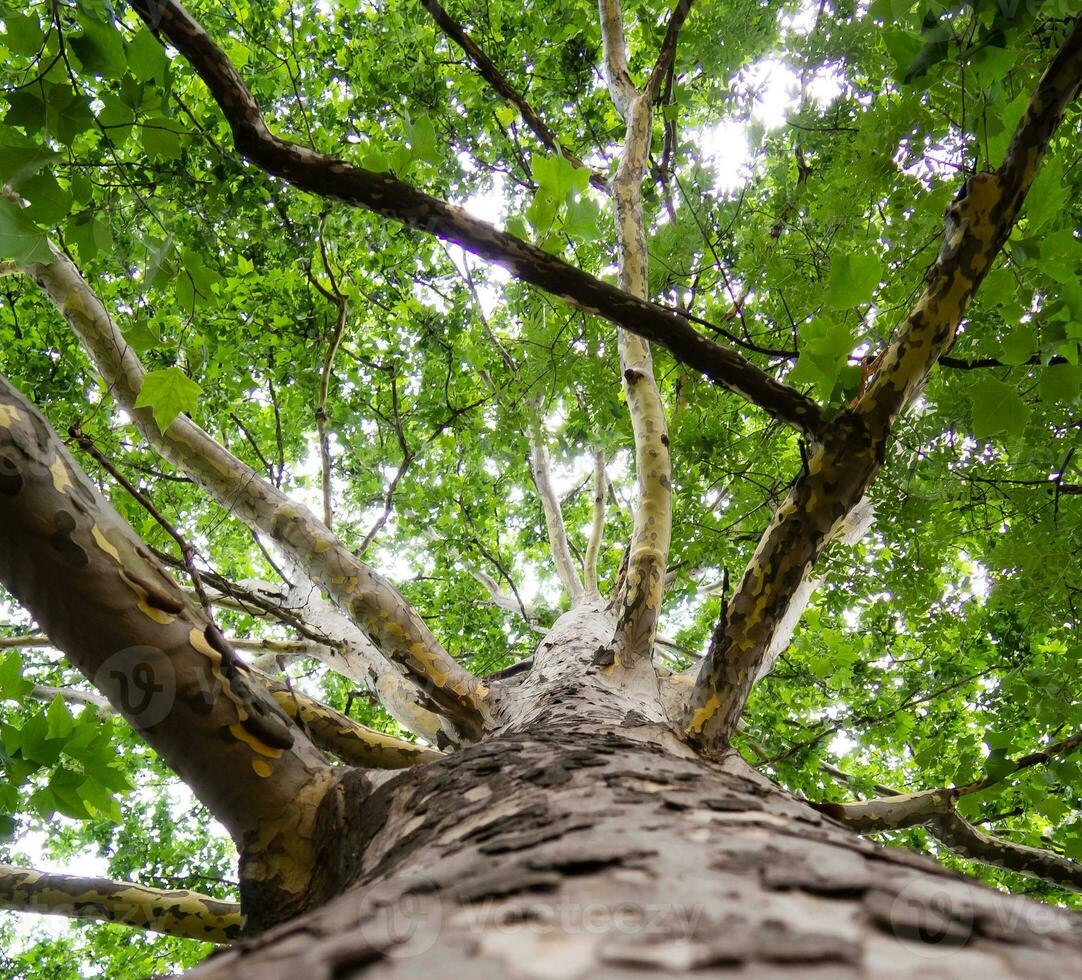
{"points": [[597, 525], [71, 560], [852, 447], [491, 74], [621, 87], [369, 599], [554, 521], [384, 194], [967, 841], [644, 584], [352, 742], [185, 914], [667, 56]]}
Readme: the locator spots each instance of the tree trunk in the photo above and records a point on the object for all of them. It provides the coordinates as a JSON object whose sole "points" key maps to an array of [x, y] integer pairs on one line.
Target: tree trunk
{"points": [[586, 839]]}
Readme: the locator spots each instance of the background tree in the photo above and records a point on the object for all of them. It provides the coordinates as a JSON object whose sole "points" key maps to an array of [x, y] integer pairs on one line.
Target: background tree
{"points": [[715, 400]]}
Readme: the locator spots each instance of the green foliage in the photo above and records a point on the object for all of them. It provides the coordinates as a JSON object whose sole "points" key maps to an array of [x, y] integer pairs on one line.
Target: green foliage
{"points": [[953, 624]]}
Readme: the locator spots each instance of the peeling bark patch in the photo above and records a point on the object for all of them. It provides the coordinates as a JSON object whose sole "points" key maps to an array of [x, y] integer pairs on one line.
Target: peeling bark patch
{"points": [[62, 542]]}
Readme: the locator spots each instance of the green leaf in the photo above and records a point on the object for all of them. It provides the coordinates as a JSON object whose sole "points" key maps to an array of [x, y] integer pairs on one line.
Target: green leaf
{"points": [[141, 335], [1053, 809], [853, 279], [17, 163], [20, 238], [67, 113], [1019, 345], [992, 64], [100, 48], [100, 798], [35, 745], [1047, 196], [26, 109], [146, 57], [22, 33], [997, 408], [60, 722], [167, 393], [49, 202], [80, 231], [421, 136], [1060, 383], [160, 139], [13, 686], [506, 114]]}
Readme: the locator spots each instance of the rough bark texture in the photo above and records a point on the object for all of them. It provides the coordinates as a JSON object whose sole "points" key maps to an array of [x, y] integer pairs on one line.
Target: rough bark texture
{"points": [[608, 850]]}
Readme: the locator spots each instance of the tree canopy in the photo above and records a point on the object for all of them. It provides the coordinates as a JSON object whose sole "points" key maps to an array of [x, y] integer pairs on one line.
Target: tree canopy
{"points": [[448, 399]]}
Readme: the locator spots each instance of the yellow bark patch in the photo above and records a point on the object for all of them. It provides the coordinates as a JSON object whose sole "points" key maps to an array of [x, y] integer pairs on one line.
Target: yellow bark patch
{"points": [[704, 714], [61, 478], [9, 414], [104, 543], [200, 645], [159, 616], [261, 768], [241, 734]]}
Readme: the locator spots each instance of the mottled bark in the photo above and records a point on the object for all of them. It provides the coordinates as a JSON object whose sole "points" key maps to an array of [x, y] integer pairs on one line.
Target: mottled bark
{"points": [[852, 447], [182, 913], [644, 584], [349, 652], [103, 598], [349, 740]]}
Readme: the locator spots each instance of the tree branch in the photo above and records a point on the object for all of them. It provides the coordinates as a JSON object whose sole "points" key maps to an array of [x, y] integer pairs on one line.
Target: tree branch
{"points": [[667, 57], [554, 521], [597, 525], [965, 840], [622, 89], [491, 74], [639, 601], [852, 447], [369, 599], [353, 743], [934, 809], [384, 194], [184, 914], [73, 562], [344, 649], [342, 305], [42, 692]]}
